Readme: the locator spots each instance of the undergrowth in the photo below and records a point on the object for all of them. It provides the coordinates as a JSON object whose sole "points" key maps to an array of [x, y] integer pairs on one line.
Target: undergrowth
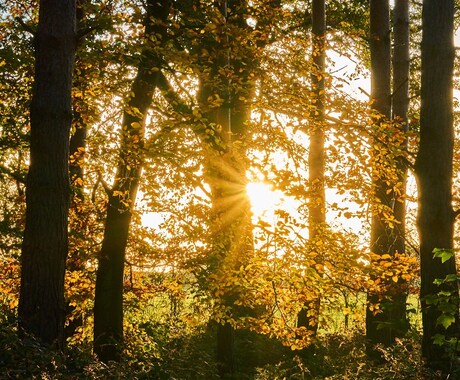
{"points": [[163, 355]]}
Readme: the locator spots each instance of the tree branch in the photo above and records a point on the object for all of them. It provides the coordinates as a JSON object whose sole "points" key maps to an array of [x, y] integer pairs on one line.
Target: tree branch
{"points": [[21, 178], [104, 184], [25, 27]]}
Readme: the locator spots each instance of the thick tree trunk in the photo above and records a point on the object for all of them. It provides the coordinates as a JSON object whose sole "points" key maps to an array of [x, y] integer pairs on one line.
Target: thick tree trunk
{"points": [[434, 171], [44, 250], [308, 316], [108, 306], [377, 326]]}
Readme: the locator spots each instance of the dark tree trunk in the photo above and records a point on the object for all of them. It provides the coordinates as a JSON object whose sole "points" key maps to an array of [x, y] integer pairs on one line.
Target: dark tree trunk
{"points": [[433, 167], [78, 138], [316, 158], [45, 244], [108, 306], [77, 152], [378, 329], [76, 160], [397, 317]]}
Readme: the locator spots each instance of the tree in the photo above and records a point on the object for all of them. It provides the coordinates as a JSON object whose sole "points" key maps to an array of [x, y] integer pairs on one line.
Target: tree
{"points": [[44, 249], [400, 107], [224, 97], [308, 317], [389, 166], [380, 49], [433, 168], [108, 307]]}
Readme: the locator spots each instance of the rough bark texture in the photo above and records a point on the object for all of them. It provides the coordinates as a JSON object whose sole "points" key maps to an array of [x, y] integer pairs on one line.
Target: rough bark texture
{"points": [[434, 170], [44, 249], [108, 307], [308, 317], [381, 233]]}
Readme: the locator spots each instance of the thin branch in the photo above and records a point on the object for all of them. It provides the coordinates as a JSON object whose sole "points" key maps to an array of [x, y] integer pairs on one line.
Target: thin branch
{"points": [[364, 92], [21, 178], [83, 32], [104, 184], [25, 27], [171, 96]]}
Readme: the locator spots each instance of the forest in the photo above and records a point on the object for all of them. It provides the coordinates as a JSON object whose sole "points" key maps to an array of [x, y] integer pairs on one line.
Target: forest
{"points": [[229, 189]]}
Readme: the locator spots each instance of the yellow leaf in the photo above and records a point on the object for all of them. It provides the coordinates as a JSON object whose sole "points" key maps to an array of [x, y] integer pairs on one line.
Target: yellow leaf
{"points": [[13, 303]]}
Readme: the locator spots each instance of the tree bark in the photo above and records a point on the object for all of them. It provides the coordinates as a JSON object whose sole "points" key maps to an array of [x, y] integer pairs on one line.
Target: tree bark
{"points": [[381, 234], [108, 306], [308, 316], [397, 317], [433, 167], [78, 138], [45, 244]]}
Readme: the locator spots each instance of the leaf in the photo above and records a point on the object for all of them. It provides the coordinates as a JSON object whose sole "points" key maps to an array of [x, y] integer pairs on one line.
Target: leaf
{"points": [[446, 320], [439, 339], [443, 254], [444, 293]]}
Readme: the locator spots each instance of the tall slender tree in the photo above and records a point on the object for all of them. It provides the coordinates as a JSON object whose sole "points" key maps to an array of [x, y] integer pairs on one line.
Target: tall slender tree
{"points": [[390, 175], [45, 244], [108, 306], [433, 169], [227, 77], [308, 316], [381, 233], [400, 106]]}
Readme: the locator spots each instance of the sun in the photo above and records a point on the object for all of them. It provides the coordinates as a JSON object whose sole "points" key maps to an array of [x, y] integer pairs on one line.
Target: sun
{"points": [[263, 199]]}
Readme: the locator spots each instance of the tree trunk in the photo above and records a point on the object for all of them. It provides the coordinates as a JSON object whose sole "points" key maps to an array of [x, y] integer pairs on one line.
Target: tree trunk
{"points": [[433, 167], [226, 165], [108, 305], [231, 213], [44, 249], [401, 58], [308, 316], [378, 329], [78, 138]]}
